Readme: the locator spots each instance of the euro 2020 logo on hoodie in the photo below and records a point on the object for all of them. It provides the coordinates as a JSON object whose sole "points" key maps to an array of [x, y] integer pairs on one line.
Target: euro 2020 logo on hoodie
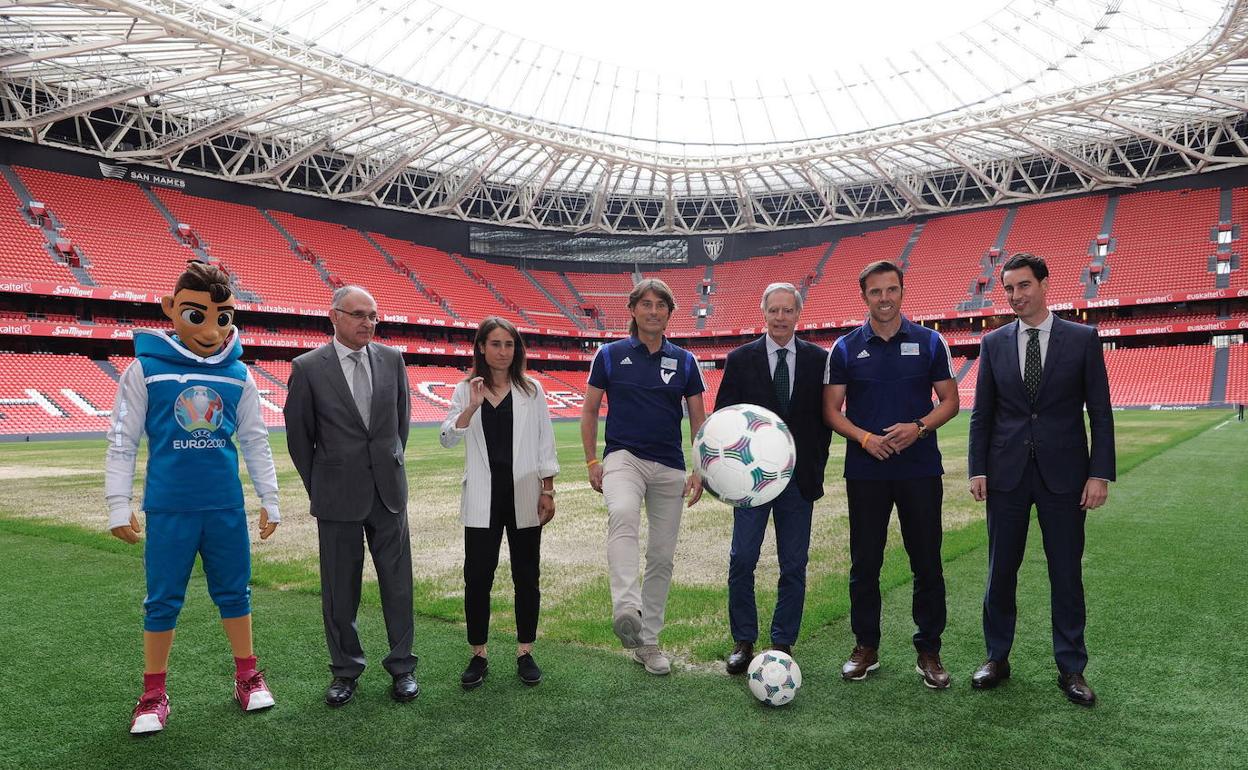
{"points": [[199, 410]]}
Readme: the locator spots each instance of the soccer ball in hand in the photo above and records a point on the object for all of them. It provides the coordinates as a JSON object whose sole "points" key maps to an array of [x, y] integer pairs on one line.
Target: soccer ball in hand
{"points": [[774, 677], [745, 455]]}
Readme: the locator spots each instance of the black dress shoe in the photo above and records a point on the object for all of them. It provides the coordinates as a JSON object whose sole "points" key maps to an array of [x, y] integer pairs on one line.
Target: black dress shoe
{"points": [[787, 649], [474, 675], [1077, 689], [340, 691], [990, 674], [405, 688], [527, 670], [740, 657]]}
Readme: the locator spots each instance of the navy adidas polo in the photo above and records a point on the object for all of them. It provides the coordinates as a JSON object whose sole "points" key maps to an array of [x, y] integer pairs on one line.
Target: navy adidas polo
{"points": [[644, 391], [887, 382]]}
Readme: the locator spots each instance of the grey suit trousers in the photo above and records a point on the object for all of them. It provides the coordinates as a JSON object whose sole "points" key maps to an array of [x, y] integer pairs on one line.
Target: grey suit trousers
{"points": [[342, 568]]}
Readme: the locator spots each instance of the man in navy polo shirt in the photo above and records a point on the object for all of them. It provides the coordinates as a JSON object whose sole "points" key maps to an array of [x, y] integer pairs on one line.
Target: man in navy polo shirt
{"points": [[646, 378], [886, 370]]}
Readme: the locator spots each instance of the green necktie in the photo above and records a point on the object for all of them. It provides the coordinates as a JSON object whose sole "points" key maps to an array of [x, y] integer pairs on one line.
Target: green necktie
{"points": [[781, 379], [1031, 366]]}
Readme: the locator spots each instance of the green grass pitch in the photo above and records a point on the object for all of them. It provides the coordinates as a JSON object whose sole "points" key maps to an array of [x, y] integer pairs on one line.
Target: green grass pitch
{"points": [[1166, 593]]}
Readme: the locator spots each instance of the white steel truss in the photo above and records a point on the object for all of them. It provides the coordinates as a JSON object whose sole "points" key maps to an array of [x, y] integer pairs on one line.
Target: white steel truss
{"points": [[169, 83]]}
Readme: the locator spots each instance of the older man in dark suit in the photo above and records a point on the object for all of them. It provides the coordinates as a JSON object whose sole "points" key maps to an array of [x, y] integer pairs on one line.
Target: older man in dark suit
{"points": [[1028, 447], [784, 374], [347, 418]]}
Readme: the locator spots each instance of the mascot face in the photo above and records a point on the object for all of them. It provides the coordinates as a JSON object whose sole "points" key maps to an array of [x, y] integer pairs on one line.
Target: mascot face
{"points": [[202, 325]]}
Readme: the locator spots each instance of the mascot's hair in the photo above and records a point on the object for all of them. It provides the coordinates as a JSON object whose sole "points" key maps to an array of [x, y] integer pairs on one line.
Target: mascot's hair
{"points": [[201, 276]]}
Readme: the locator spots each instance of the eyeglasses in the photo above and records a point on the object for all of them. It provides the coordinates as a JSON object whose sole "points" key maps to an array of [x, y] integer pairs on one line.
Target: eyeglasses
{"points": [[359, 315]]}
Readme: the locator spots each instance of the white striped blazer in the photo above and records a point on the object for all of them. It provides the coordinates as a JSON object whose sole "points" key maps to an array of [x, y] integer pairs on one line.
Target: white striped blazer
{"points": [[532, 453]]}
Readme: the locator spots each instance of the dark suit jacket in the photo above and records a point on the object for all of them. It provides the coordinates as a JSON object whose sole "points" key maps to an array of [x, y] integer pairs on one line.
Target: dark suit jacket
{"points": [[747, 380], [1005, 425], [339, 460]]}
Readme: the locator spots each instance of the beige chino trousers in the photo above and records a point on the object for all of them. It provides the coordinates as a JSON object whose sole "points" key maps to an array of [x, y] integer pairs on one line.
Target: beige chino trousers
{"points": [[627, 482]]}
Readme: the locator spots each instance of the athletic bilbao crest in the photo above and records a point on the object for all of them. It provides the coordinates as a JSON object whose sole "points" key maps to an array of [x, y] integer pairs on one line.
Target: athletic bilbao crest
{"points": [[713, 247], [199, 408]]}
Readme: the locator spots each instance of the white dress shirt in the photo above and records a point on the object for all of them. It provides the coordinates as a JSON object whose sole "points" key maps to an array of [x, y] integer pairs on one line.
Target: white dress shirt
{"points": [[1046, 328], [348, 364], [790, 359]]}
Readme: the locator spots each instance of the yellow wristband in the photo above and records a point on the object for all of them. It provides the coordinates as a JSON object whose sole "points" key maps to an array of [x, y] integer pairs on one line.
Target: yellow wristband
{"points": [[865, 438], [593, 462]]}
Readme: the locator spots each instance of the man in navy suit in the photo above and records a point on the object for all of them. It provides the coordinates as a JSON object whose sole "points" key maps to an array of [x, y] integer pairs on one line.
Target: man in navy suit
{"points": [[1028, 447], [784, 374]]}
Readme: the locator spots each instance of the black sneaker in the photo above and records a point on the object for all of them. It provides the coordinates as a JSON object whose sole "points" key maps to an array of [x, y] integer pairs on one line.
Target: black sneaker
{"points": [[474, 675], [527, 670]]}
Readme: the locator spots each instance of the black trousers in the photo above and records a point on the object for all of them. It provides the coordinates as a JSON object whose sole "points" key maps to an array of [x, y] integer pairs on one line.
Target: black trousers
{"points": [[481, 546], [1061, 524], [918, 504], [342, 569]]}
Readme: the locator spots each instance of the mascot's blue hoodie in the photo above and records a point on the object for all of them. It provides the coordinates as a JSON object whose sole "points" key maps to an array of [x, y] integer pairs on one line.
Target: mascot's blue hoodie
{"points": [[192, 412]]}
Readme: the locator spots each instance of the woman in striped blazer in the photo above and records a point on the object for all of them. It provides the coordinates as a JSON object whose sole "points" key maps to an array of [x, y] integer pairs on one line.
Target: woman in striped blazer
{"points": [[509, 473]]}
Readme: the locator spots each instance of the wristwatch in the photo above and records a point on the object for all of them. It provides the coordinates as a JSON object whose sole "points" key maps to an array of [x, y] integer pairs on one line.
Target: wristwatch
{"points": [[922, 428], [549, 492]]}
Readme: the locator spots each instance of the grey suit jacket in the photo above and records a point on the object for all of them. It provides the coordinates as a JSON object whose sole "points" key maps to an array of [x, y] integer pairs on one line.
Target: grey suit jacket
{"points": [[340, 461]]}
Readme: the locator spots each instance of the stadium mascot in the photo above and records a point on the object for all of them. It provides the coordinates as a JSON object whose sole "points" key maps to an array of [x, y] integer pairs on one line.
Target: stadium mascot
{"points": [[190, 393]]}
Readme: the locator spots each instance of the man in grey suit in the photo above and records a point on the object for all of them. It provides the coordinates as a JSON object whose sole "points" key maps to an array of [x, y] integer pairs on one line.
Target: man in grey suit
{"points": [[347, 418]]}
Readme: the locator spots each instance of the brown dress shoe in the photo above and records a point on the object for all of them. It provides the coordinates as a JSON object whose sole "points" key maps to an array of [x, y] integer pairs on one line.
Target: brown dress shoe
{"points": [[1077, 689], [990, 674], [934, 674], [862, 661], [740, 657], [787, 649]]}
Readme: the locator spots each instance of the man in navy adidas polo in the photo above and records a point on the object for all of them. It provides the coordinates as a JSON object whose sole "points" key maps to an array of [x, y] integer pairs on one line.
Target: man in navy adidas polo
{"points": [[645, 377], [884, 373]]}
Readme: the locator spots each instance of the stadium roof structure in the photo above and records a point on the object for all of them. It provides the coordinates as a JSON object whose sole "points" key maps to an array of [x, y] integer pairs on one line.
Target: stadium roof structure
{"points": [[443, 115]]}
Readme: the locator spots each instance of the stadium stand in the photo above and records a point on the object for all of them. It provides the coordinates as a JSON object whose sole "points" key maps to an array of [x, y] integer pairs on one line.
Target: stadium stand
{"points": [[739, 285], [608, 292], [1161, 239], [248, 246], [348, 258], [47, 393], [23, 249], [1179, 374], [126, 241], [1237, 375], [947, 260], [1066, 249], [836, 296], [447, 281], [523, 296]]}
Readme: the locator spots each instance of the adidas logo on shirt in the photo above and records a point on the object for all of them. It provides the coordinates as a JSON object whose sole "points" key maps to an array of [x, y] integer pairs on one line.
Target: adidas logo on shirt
{"points": [[626, 360], [864, 354]]}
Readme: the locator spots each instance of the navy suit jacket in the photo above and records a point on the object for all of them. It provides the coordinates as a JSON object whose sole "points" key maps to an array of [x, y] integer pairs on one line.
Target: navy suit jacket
{"points": [[747, 380], [1005, 426]]}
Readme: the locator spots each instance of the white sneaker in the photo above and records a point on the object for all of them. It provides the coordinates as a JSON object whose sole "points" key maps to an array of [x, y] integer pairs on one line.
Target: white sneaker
{"points": [[653, 659], [627, 627]]}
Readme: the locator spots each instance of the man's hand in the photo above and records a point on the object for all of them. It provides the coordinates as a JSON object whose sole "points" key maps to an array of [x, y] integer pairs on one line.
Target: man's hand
{"points": [[266, 527], [1094, 493], [545, 509], [693, 488], [128, 532], [901, 435], [595, 477], [979, 488], [879, 447]]}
